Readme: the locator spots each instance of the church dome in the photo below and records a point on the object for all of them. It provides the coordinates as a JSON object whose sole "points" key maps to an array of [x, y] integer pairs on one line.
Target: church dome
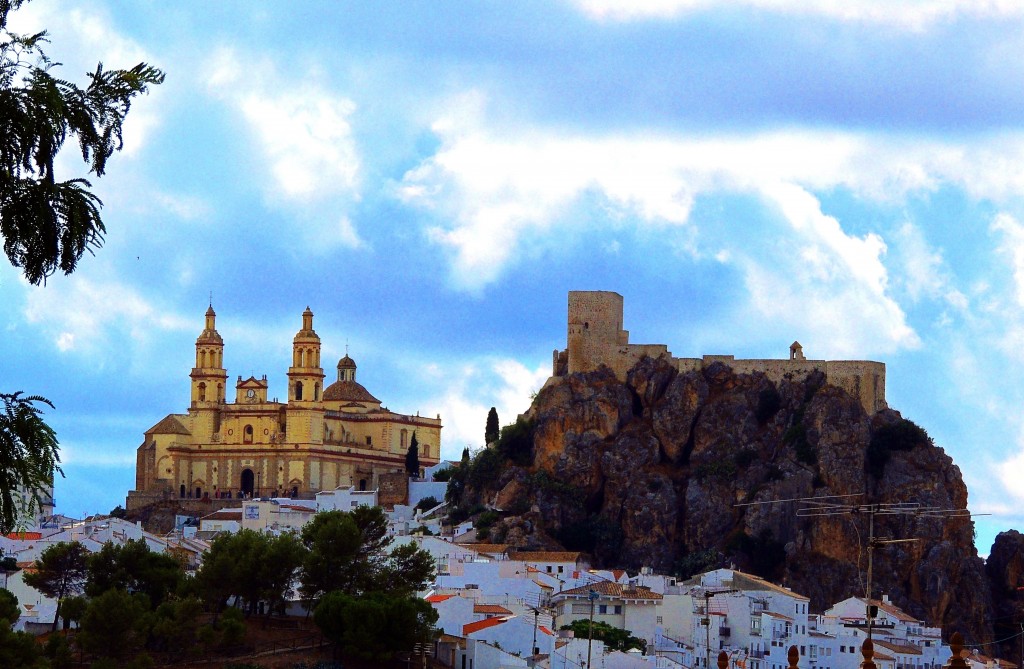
{"points": [[346, 363], [348, 391]]}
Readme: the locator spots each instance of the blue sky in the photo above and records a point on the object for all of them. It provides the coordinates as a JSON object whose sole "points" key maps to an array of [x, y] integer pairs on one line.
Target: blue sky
{"points": [[432, 179]]}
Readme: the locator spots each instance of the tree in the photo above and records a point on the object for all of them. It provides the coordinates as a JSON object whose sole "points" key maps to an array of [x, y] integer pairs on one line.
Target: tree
{"points": [[115, 624], [132, 567], [375, 626], [251, 567], [28, 455], [348, 554], [60, 571], [282, 560], [10, 611], [613, 637], [408, 570], [17, 649], [412, 457], [491, 431], [46, 224]]}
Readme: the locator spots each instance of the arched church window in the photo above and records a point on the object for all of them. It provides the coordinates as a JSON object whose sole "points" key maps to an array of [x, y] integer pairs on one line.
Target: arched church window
{"points": [[316, 392], [247, 438], [202, 392], [404, 434], [202, 358], [362, 484], [298, 390]]}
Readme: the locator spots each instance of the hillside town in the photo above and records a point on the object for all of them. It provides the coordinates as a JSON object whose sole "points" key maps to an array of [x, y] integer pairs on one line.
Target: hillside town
{"points": [[500, 607]]}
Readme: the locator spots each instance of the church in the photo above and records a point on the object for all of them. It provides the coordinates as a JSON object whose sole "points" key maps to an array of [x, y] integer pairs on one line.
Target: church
{"points": [[321, 438]]}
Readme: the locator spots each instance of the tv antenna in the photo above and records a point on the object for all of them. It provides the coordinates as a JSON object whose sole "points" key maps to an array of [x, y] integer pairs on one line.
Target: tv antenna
{"points": [[837, 505]]}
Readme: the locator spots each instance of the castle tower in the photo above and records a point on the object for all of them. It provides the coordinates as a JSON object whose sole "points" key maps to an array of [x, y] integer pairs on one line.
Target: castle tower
{"points": [[305, 385], [209, 375], [595, 328]]}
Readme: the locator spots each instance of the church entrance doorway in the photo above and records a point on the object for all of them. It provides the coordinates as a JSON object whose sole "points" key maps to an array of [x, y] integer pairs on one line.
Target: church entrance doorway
{"points": [[247, 482]]}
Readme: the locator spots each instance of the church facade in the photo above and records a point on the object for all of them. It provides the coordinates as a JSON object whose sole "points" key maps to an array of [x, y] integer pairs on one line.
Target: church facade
{"points": [[319, 439]]}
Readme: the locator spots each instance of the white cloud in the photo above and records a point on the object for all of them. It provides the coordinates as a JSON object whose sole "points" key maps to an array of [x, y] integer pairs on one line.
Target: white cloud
{"points": [[303, 129], [824, 283], [88, 317], [472, 388], [81, 37], [908, 14]]}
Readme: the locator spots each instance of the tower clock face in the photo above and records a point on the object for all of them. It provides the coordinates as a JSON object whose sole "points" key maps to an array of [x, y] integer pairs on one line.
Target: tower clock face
{"points": [[250, 395]]}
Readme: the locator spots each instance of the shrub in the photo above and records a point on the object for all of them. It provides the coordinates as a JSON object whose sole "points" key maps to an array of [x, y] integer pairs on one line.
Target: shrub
{"points": [[903, 435], [427, 503], [484, 469], [516, 442], [444, 475]]}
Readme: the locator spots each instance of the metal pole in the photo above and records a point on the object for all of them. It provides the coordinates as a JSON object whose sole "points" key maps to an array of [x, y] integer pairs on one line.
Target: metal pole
{"points": [[871, 549], [707, 630], [534, 646], [590, 634]]}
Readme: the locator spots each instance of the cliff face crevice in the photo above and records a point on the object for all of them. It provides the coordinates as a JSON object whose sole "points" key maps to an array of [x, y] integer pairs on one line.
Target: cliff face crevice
{"points": [[649, 472]]}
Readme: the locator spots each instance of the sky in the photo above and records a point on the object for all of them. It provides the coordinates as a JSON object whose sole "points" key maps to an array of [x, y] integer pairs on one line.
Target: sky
{"points": [[431, 179]]}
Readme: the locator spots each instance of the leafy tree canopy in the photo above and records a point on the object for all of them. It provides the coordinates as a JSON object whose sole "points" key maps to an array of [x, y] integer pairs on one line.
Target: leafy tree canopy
{"points": [[60, 571], [348, 553], [613, 637], [28, 454], [134, 568], [375, 626], [10, 611], [47, 224]]}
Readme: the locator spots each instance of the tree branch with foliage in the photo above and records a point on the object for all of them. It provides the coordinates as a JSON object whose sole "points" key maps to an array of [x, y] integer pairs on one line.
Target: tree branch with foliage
{"points": [[47, 224], [28, 456]]}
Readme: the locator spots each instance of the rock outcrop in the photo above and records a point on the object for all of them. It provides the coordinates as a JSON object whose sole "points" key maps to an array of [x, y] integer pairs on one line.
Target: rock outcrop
{"points": [[683, 471]]}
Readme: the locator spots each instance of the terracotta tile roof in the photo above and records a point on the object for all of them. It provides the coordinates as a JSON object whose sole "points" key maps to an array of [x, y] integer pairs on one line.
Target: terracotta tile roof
{"points": [[168, 425], [224, 514], [894, 611], [481, 625], [433, 599], [544, 629], [612, 589], [776, 615], [883, 656], [348, 391], [898, 648], [491, 608], [25, 536], [545, 556], [490, 549]]}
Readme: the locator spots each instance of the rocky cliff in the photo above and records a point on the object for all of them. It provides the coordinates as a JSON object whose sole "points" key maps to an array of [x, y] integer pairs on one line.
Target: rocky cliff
{"points": [[654, 472]]}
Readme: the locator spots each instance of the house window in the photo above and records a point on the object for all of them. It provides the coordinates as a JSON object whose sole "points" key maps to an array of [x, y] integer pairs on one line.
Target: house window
{"points": [[602, 609], [548, 568], [369, 441], [561, 569], [247, 438], [659, 620], [618, 609]]}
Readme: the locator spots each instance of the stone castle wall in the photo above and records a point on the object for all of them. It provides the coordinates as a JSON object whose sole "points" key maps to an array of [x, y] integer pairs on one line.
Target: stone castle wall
{"points": [[596, 338]]}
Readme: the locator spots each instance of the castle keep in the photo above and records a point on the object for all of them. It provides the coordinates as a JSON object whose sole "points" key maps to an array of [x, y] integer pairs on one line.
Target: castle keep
{"points": [[596, 338], [319, 439]]}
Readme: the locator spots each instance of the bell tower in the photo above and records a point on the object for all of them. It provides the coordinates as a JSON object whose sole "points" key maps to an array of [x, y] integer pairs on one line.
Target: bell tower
{"points": [[209, 375], [209, 379], [305, 386]]}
